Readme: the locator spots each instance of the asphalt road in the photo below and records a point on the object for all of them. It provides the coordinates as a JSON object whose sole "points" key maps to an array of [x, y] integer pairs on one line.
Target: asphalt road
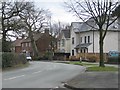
{"points": [[40, 75]]}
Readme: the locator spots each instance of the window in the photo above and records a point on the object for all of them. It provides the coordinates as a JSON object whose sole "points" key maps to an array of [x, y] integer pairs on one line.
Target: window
{"points": [[84, 50], [81, 50], [81, 39], [29, 44], [63, 42], [88, 39], [22, 45], [26, 44], [72, 40], [59, 43], [72, 52], [85, 39]]}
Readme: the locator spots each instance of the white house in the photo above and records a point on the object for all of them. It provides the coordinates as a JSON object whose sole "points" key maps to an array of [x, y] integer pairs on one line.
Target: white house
{"points": [[64, 41], [85, 39]]}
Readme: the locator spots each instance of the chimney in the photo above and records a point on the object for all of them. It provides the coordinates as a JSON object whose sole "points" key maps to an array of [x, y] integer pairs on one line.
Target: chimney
{"points": [[23, 36], [47, 31]]}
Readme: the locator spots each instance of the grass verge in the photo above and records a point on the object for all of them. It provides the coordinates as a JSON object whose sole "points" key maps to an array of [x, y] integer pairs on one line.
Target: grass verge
{"points": [[81, 63], [93, 66], [106, 68], [19, 66]]}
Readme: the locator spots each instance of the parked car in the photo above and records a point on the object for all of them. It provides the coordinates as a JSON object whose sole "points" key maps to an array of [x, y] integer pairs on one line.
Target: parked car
{"points": [[28, 58], [114, 57], [113, 53]]}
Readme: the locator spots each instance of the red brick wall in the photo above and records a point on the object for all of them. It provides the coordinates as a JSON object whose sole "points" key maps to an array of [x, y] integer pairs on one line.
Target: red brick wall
{"points": [[18, 49], [43, 43], [27, 48]]}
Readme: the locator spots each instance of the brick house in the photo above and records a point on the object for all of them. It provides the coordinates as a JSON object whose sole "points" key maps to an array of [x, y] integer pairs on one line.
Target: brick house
{"points": [[16, 45], [43, 43]]}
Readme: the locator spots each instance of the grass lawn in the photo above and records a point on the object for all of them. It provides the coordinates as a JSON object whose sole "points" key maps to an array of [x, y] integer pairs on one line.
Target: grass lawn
{"points": [[106, 68], [81, 63], [93, 66], [19, 66]]}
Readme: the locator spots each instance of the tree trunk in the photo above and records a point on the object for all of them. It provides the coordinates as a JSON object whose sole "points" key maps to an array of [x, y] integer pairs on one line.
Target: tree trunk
{"points": [[101, 62], [5, 46], [34, 47]]}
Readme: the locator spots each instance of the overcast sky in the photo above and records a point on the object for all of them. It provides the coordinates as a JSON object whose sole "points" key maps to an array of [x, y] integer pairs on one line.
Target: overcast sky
{"points": [[56, 7]]}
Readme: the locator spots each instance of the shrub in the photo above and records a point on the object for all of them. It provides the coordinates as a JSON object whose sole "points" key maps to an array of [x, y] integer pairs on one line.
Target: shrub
{"points": [[10, 59], [7, 59], [92, 58], [48, 56], [74, 58]]}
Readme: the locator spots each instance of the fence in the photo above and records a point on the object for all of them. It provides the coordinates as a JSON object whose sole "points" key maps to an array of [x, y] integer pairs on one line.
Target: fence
{"points": [[89, 57]]}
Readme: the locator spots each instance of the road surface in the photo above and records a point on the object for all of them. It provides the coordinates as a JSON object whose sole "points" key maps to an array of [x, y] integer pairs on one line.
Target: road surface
{"points": [[40, 75]]}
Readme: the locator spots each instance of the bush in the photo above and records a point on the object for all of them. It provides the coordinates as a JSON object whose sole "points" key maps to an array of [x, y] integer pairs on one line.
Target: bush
{"points": [[92, 58], [7, 59], [48, 56], [10, 59], [73, 58]]}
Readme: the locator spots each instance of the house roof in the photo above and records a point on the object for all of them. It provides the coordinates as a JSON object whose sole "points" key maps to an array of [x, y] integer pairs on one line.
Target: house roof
{"points": [[66, 33], [17, 42], [36, 37], [86, 26]]}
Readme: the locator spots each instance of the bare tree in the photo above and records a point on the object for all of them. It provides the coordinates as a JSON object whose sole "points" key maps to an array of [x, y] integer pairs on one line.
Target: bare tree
{"points": [[9, 10], [34, 19], [100, 11]]}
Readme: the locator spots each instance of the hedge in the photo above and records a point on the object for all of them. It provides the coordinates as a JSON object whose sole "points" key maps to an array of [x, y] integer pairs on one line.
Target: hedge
{"points": [[10, 59]]}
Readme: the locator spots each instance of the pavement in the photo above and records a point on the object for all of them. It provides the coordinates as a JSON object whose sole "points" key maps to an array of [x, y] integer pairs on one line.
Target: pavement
{"points": [[94, 80]]}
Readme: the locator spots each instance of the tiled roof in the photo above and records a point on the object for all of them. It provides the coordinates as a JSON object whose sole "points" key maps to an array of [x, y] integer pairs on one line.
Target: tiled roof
{"points": [[83, 26], [36, 37], [17, 42], [66, 33]]}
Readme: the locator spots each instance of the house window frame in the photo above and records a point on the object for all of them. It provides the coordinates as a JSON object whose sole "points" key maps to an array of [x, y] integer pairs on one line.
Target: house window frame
{"points": [[88, 39], [73, 41], [26, 44], [29, 44], [22, 45], [81, 39], [73, 52], [63, 42], [85, 39]]}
